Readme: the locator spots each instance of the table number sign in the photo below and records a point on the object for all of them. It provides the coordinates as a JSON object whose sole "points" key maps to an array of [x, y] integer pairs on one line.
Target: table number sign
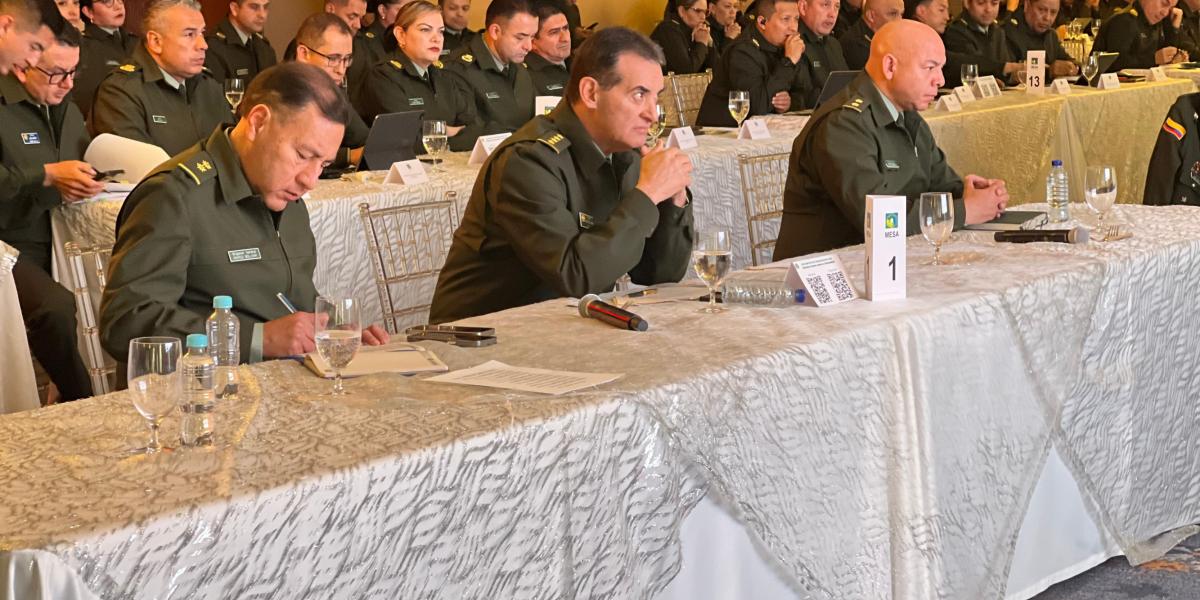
{"points": [[823, 279], [1109, 81], [407, 172], [885, 232], [754, 129], [987, 87], [682, 138], [949, 103], [964, 94], [1035, 72], [484, 147], [544, 104], [1061, 87], [1157, 74]]}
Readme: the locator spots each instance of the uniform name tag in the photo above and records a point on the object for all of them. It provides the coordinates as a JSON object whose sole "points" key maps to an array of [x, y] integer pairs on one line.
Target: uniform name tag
{"points": [[554, 86], [241, 72], [112, 63], [244, 255], [158, 119], [492, 95], [891, 165], [31, 138], [586, 221], [816, 64], [416, 102]]}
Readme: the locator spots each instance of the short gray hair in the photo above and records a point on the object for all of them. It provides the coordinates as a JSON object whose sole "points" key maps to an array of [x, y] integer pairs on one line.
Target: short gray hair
{"points": [[156, 8]]}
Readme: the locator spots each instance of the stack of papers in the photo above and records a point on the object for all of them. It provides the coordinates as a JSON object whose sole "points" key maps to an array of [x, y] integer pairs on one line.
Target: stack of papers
{"points": [[388, 358], [496, 374]]}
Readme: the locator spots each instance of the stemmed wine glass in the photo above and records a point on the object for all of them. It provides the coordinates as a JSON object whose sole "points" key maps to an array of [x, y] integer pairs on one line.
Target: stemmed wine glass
{"points": [[339, 334], [968, 74], [1091, 69], [739, 106], [937, 221], [235, 88], [1100, 192], [657, 127], [711, 259], [154, 382], [433, 137]]}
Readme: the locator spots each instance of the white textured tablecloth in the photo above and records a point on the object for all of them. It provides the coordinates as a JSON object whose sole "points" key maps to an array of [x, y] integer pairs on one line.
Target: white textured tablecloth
{"points": [[874, 450], [18, 388]]}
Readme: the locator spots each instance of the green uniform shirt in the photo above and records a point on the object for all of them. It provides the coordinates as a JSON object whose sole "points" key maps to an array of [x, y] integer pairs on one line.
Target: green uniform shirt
{"points": [[1022, 39], [379, 43], [453, 40], [503, 99], [229, 57], [356, 74], [549, 79], [396, 85], [856, 45], [194, 229], [550, 217], [1129, 33], [1174, 173], [99, 53], [847, 16], [967, 42], [851, 147], [137, 102], [822, 55], [682, 54], [754, 65], [31, 136]]}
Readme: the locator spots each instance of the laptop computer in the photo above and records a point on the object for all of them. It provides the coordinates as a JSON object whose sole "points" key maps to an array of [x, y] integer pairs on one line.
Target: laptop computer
{"points": [[836, 81], [394, 137], [1105, 61]]}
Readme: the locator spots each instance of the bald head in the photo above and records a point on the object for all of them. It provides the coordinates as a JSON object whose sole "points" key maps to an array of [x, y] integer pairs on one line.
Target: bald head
{"points": [[878, 13], [906, 63]]}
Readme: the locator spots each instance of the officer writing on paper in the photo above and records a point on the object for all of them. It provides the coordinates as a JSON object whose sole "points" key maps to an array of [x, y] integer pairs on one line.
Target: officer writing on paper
{"points": [[226, 217], [573, 200], [871, 139], [1146, 34]]}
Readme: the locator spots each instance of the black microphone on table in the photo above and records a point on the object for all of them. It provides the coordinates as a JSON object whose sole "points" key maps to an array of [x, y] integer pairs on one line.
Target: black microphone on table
{"points": [[1077, 235], [593, 307]]}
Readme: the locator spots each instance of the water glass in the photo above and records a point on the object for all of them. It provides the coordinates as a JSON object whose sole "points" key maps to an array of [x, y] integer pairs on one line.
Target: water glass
{"points": [[235, 88], [937, 221], [1091, 69], [154, 382], [711, 259], [339, 334], [657, 127], [1100, 190], [433, 137], [739, 106], [968, 74]]}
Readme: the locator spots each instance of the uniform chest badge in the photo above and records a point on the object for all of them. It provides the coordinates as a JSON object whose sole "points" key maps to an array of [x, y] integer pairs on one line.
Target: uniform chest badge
{"points": [[243, 72], [586, 221], [492, 95], [31, 138], [416, 102], [891, 165], [245, 255], [816, 64], [159, 119], [554, 86]]}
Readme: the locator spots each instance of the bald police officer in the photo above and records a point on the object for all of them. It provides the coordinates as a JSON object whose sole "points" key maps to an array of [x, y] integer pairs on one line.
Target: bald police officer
{"points": [[238, 49], [164, 96], [491, 66], [871, 139], [571, 201], [106, 45], [226, 217]]}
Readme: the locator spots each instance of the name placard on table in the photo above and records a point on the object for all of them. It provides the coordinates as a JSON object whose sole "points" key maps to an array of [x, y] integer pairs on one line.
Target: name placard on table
{"points": [[823, 279], [484, 147], [407, 172], [949, 103], [754, 129], [1061, 87], [1109, 81], [683, 138], [885, 231], [1035, 72], [964, 94], [987, 87]]}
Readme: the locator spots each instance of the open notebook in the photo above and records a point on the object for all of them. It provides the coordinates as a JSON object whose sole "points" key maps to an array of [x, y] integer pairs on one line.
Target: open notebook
{"points": [[396, 357]]}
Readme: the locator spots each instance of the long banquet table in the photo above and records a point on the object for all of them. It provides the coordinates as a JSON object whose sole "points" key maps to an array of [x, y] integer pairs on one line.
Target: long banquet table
{"points": [[1013, 137], [873, 450], [18, 390]]}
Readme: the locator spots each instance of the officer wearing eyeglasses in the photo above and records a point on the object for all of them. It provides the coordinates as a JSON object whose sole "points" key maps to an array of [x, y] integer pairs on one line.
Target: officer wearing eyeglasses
{"points": [[326, 42], [164, 95], [106, 45], [42, 139]]}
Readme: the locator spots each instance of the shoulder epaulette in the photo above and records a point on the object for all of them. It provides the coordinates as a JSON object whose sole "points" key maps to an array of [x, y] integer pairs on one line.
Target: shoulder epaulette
{"points": [[128, 68], [395, 63], [438, 64], [370, 35], [1013, 21], [856, 104], [221, 35], [467, 58], [198, 168], [556, 141]]}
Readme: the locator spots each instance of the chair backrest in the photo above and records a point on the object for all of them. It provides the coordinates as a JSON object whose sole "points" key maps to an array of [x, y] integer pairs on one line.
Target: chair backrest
{"points": [[88, 274], [682, 95], [763, 179], [408, 246]]}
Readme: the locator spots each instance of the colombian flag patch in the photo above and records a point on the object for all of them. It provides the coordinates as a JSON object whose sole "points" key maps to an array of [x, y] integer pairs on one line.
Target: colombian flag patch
{"points": [[1175, 129]]}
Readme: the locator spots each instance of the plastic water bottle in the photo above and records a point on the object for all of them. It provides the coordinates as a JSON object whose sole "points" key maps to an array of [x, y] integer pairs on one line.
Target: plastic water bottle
{"points": [[1057, 193], [224, 347], [197, 427], [760, 293]]}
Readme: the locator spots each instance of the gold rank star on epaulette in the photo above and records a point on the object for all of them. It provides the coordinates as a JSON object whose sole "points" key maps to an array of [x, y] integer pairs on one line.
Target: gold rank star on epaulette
{"points": [[555, 141], [854, 105], [370, 35], [438, 64], [395, 63], [198, 168], [468, 58], [128, 68], [220, 35]]}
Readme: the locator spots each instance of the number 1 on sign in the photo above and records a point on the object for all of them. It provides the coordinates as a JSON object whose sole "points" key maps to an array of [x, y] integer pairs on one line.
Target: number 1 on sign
{"points": [[892, 264]]}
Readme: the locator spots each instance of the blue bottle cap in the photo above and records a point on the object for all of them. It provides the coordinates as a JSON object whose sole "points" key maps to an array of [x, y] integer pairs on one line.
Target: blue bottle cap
{"points": [[197, 340], [1056, 163], [222, 302]]}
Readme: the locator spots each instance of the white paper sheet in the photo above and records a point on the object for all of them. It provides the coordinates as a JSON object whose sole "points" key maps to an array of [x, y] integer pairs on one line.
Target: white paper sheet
{"points": [[543, 381], [109, 152]]}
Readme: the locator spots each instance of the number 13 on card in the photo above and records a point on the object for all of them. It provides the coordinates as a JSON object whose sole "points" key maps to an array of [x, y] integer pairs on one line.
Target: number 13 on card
{"points": [[886, 232]]}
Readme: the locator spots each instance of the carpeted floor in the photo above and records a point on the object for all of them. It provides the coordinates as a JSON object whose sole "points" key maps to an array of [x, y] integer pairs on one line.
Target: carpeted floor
{"points": [[1175, 576]]}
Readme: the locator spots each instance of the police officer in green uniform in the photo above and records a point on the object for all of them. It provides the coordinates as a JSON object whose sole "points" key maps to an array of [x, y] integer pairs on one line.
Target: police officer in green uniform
{"points": [[226, 217], [106, 45], [456, 15], [568, 204], [849, 13], [42, 139], [413, 79], [871, 139], [549, 62], [1189, 27], [976, 38], [238, 49], [856, 41], [685, 38], [1033, 29], [164, 96], [1144, 34], [763, 63], [326, 42], [380, 42], [822, 52], [1174, 173], [491, 66]]}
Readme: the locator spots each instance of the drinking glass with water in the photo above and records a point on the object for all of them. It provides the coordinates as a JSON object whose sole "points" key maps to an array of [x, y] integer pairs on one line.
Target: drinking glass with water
{"points": [[433, 137], [339, 334], [711, 259]]}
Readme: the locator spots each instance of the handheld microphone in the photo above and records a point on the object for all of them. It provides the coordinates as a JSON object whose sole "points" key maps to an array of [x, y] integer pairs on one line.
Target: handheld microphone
{"points": [[1077, 235], [592, 306]]}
